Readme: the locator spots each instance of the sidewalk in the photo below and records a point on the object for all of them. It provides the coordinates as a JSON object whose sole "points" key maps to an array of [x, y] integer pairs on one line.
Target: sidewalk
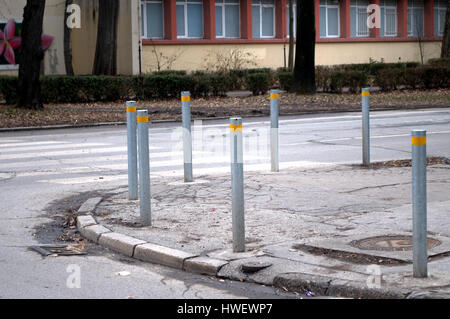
{"points": [[304, 226]]}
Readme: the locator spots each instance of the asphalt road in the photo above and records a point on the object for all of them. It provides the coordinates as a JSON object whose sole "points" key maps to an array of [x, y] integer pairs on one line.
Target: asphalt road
{"points": [[39, 169]]}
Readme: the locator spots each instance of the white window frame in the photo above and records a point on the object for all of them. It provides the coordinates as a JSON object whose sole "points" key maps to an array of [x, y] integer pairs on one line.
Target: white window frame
{"points": [[331, 6], [390, 7], [294, 9], [144, 18], [223, 4], [261, 6], [411, 10], [439, 8], [186, 31], [363, 8]]}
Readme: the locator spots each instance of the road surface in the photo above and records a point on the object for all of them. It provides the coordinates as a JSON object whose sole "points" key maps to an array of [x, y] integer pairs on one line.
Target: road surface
{"points": [[38, 169]]}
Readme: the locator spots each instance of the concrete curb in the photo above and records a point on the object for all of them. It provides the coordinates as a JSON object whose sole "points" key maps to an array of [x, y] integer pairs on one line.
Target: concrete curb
{"points": [[177, 259], [139, 249], [326, 286]]}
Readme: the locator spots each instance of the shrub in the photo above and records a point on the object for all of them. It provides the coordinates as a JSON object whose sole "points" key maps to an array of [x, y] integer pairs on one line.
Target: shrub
{"points": [[237, 78], [259, 70], [283, 70], [170, 72], [435, 77], [425, 76], [353, 80], [8, 89], [219, 84], [286, 80], [389, 79], [323, 78], [258, 83], [444, 62]]}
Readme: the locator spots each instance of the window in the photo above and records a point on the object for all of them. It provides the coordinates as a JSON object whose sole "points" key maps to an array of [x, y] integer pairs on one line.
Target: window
{"points": [[358, 18], [388, 18], [189, 19], [294, 13], [263, 18], [440, 7], [329, 19], [152, 19], [415, 18], [227, 19]]}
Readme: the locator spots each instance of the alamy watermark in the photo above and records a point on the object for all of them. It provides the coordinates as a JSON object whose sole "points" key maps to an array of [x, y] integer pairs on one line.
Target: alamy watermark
{"points": [[74, 19], [374, 16], [374, 278], [74, 279]]}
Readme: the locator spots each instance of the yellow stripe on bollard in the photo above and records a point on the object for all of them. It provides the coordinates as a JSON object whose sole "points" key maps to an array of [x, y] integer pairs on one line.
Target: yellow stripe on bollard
{"points": [[185, 98], [274, 96], [142, 119], [235, 128], [365, 94], [131, 109], [418, 140]]}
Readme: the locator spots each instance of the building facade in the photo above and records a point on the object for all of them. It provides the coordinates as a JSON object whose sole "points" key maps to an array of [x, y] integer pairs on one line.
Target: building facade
{"points": [[207, 34], [197, 32]]}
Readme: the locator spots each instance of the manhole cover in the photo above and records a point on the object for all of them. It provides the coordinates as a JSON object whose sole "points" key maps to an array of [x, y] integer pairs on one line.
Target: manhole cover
{"points": [[390, 243]]}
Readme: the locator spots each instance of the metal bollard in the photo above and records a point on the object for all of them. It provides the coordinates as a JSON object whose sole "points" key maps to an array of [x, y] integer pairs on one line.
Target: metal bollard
{"points": [[419, 195], [274, 110], [132, 151], [187, 139], [237, 184], [144, 168], [365, 126]]}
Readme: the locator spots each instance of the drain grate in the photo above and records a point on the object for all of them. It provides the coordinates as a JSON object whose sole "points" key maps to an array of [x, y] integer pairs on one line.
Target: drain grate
{"points": [[390, 243]]}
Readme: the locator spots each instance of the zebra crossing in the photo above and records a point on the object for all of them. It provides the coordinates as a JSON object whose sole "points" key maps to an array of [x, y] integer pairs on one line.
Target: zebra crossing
{"points": [[101, 156]]}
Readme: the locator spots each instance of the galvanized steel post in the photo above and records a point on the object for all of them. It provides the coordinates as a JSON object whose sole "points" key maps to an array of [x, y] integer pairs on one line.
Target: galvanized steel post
{"points": [[419, 195], [274, 110], [237, 184], [132, 151], [365, 126], [187, 139], [144, 168]]}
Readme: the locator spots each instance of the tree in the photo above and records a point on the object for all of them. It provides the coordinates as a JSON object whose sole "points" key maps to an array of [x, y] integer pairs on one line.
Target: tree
{"points": [[291, 36], [304, 69], [445, 50], [105, 62], [31, 56], [68, 43]]}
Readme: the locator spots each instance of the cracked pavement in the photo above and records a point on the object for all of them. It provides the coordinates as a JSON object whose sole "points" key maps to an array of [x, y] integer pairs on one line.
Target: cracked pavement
{"points": [[38, 168]]}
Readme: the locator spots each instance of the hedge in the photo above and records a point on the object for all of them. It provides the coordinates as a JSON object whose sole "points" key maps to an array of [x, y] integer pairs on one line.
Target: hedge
{"points": [[258, 83], [169, 84], [429, 77], [80, 89]]}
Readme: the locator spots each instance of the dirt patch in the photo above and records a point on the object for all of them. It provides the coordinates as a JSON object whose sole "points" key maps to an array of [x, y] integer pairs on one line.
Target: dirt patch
{"points": [[361, 259], [91, 113], [402, 163], [63, 228]]}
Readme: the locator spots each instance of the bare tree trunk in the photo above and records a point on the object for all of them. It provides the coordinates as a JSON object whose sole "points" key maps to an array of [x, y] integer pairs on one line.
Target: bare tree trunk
{"points": [[106, 51], [445, 50], [31, 56], [304, 69], [68, 43], [291, 36]]}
